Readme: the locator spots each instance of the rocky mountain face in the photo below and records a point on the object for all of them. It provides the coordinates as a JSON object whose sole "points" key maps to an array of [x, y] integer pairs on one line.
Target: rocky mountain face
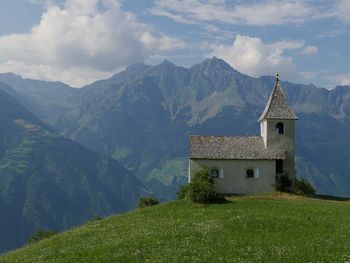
{"points": [[50, 182], [142, 117]]}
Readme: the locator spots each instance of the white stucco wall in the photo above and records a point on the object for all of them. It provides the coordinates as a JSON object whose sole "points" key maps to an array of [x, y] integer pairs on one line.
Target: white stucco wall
{"points": [[285, 141], [235, 179]]}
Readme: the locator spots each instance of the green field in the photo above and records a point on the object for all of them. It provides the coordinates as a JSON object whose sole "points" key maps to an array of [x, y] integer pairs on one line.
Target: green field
{"points": [[271, 227]]}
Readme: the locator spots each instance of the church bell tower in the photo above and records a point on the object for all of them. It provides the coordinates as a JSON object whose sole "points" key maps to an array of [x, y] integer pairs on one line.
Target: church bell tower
{"points": [[277, 127]]}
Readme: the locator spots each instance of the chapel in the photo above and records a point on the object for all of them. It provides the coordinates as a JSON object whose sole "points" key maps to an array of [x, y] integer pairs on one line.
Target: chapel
{"points": [[243, 165]]}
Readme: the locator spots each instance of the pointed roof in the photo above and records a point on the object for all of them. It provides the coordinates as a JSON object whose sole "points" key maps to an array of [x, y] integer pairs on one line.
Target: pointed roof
{"points": [[277, 107]]}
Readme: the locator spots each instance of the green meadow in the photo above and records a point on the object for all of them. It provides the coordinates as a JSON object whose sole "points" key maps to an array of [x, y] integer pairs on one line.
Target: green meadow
{"points": [[272, 227]]}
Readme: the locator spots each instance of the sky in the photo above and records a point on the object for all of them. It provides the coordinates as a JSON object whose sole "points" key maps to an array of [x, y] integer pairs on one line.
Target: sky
{"points": [[80, 41]]}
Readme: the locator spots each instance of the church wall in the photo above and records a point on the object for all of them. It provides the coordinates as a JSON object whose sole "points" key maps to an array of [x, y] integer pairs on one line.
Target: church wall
{"points": [[234, 180]]}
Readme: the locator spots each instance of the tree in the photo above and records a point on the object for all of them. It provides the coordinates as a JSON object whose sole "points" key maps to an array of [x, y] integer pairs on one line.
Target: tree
{"points": [[147, 201], [41, 234], [304, 187], [283, 182], [202, 187]]}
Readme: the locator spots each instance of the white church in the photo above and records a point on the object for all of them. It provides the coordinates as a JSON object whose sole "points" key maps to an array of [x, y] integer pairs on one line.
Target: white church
{"points": [[242, 165]]}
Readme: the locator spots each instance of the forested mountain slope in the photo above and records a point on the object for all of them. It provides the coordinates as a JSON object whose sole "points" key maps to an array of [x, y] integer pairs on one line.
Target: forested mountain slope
{"points": [[48, 181]]}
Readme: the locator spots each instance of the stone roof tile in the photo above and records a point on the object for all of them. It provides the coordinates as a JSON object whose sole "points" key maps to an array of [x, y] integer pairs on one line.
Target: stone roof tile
{"points": [[277, 107], [232, 148]]}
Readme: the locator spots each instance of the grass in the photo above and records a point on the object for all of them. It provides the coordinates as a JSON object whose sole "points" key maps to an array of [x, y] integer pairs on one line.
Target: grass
{"points": [[258, 228]]}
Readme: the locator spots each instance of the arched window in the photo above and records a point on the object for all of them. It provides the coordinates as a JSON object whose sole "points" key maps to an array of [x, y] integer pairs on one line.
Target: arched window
{"points": [[214, 173], [280, 128], [250, 173]]}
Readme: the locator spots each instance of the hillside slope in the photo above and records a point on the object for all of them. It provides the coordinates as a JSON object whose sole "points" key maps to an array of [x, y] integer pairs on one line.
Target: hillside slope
{"points": [[48, 181], [259, 228]]}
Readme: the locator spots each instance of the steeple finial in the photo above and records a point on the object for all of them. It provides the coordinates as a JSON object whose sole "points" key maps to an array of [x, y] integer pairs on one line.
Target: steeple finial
{"points": [[277, 76]]}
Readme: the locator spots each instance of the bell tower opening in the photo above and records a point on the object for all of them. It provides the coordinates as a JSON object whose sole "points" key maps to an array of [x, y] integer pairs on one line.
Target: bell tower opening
{"points": [[280, 128]]}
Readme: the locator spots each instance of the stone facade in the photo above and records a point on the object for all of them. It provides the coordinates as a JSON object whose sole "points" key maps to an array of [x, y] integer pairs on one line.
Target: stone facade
{"points": [[243, 165]]}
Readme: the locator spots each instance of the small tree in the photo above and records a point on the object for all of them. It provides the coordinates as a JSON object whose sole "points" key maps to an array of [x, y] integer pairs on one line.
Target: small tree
{"points": [[147, 201], [97, 218], [182, 192], [41, 234], [283, 182], [304, 187], [202, 187]]}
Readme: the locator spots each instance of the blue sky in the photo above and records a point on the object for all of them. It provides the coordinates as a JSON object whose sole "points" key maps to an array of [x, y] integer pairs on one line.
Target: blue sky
{"points": [[79, 41]]}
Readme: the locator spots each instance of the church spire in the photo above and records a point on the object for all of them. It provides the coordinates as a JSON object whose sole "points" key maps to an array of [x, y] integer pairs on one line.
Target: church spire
{"points": [[277, 106]]}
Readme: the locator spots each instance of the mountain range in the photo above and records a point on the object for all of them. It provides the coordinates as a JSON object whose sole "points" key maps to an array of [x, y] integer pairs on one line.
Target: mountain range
{"points": [[141, 117]]}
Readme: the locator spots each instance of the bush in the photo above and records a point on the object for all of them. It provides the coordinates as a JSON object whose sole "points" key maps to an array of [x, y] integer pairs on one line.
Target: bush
{"points": [[97, 218], [203, 176], [201, 192], [202, 188], [304, 187], [41, 234], [283, 182], [182, 193], [147, 201]]}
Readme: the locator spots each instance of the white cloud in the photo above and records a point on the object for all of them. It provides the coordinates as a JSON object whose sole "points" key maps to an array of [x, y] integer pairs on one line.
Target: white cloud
{"points": [[273, 12], [82, 37], [162, 43], [75, 76], [342, 9], [309, 50], [270, 12], [310, 75], [287, 44], [251, 56], [340, 79]]}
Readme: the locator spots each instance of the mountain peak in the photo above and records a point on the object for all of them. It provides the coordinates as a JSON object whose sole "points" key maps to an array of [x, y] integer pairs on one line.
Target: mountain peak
{"points": [[214, 63], [164, 67], [167, 63], [9, 75], [136, 66], [129, 71]]}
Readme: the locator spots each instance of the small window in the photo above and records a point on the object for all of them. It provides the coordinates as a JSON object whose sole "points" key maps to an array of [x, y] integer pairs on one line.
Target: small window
{"points": [[250, 173], [280, 128], [214, 173]]}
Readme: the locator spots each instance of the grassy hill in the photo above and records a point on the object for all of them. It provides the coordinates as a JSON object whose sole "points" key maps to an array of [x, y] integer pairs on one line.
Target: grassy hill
{"points": [[271, 227]]}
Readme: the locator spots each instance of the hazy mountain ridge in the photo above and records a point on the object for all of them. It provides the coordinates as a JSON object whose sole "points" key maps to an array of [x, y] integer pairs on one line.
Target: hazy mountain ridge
{"points": [[142, 117], [48, 181]]}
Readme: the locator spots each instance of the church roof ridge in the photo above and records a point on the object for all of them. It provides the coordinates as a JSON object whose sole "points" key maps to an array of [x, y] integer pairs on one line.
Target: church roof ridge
{"points": [[277, 106]]}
